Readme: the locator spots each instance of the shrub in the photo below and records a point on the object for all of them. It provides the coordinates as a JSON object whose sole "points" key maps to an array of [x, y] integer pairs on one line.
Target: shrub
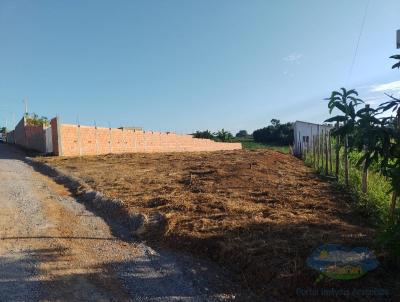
{"points": [[35, 120], [204, 134]]}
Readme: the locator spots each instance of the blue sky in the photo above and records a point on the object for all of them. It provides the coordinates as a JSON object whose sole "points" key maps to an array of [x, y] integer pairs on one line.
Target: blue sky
{"points": [[188, 65]]}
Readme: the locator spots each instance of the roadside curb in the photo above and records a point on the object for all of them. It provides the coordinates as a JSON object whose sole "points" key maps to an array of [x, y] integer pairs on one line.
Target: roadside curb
{"points": [[137, 224]]}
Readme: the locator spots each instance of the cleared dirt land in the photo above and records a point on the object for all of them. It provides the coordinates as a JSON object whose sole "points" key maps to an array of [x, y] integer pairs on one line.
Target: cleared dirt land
{"points": [[259, 212]]}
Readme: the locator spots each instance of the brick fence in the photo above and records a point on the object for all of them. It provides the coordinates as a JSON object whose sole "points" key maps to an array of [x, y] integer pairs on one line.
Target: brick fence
{"points": [[28, 136], [77, 140]]}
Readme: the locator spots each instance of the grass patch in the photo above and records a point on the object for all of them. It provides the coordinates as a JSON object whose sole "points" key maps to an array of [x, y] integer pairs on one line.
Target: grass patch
{"points": [[250, 144]]}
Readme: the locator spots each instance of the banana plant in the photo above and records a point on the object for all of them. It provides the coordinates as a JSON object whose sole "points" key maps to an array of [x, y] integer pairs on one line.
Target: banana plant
{"points": [[223, 135], [391, 158], [371, 138], [346, 102]]}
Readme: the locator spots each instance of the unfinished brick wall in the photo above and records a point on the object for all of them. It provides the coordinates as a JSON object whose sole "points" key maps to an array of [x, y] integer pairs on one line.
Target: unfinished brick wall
{"points": [[74, 140], [29, 136]]}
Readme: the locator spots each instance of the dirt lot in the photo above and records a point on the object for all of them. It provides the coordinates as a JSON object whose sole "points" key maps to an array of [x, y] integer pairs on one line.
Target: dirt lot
{"points": [[258, 212]]}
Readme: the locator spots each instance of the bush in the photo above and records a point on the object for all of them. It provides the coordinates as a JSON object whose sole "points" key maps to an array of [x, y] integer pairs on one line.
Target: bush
{"points": [[389, 238], [35, 120], [204, 134]]}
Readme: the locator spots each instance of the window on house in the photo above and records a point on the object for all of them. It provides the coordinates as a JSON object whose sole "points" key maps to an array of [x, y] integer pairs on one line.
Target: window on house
{"points": [[306, 139]]}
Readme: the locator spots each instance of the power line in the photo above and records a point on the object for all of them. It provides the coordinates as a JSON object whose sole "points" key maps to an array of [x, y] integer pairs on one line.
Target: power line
{"points": [[358, 42]]}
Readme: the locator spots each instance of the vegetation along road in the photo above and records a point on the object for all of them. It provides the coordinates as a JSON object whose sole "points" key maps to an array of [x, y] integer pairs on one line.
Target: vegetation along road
{"points": [[53, 249]]}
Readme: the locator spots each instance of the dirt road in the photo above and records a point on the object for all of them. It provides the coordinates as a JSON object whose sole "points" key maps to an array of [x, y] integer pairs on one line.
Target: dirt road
{"points": [[53, 249]]}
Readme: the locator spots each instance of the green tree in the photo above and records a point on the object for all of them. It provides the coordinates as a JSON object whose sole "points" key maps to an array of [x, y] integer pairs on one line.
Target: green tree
{"points": [[346, 102], [370, 138], [35, 120], [203, 134], [242, 133], [276, 133], [223, 135], [391, 156]]}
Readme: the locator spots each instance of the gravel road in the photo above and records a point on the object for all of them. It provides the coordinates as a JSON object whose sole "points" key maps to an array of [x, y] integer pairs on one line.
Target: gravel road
{"points": [[54, 249]]}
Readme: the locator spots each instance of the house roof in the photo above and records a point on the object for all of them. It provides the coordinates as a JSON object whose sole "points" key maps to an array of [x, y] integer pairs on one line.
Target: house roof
{"points": [[322, 125]]}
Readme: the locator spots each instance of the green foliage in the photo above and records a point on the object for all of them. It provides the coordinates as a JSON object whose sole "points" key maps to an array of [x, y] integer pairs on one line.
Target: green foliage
{"points": [[204, 134], [242, 133], [223, 136], [3, 130], [35, 120], [220, 136], [276, 133], [376, 144], [346, 102], [389, 238]]}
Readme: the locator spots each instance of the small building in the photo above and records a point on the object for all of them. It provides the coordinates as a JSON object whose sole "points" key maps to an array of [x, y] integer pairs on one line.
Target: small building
{"points": [[305, 133]]}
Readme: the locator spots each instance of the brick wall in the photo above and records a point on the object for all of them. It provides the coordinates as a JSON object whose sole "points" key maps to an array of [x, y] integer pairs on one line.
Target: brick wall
{"points": [[29, 137], [74, 140]]}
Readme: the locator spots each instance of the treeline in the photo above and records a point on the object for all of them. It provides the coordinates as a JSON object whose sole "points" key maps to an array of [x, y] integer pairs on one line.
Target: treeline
{"points": [[219, 136], [276, 134]]}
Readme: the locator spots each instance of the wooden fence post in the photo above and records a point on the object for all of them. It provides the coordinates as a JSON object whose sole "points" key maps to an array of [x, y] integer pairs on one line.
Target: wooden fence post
{"points": [[314, 151], [346, 160], [326, 153], [322, 150], [317, 150], [337, 153], [330, 151]]}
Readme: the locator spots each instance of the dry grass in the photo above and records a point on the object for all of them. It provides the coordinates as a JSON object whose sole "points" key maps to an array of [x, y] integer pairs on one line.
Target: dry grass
{"points": [[259, 212]]}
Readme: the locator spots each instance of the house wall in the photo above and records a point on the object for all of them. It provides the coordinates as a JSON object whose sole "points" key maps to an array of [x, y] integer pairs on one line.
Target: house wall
{"points": [[307, 130], [74, 140]]}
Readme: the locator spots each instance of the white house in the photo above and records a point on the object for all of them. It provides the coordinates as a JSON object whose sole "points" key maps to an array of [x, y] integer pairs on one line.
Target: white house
{"points": [[304, 133]]}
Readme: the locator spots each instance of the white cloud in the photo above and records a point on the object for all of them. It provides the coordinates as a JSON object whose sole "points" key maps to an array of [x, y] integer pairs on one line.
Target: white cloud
{"points": [[387, 87], [293, 57]]}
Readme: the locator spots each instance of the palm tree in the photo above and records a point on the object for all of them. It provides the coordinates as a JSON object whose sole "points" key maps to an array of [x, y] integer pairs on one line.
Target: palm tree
{"points": [[346, 102]]}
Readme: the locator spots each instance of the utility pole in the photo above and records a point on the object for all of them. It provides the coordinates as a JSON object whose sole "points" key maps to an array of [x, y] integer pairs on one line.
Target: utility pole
{"points": [[25, 101], [398, 39]]}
